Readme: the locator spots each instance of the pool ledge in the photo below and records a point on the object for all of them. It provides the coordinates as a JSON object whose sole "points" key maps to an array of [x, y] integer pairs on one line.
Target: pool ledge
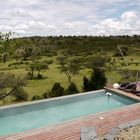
{"points": [[50, 99]]}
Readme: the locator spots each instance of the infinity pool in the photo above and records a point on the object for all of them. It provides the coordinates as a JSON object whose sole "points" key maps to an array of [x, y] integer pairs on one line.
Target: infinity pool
{"points": [[29, 116]]}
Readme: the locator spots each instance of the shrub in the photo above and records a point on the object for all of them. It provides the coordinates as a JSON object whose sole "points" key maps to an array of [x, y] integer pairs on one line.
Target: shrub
{"points": [[72, 89], [36, 97], [85, 84], [39, 76], [20, 94], [49, 62], [57, 90], [97, 80], [123, 64], [30, 76], [47, 95], [50, 54]]}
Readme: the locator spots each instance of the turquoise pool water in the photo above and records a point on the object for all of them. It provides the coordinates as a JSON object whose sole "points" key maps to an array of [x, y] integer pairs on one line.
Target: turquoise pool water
{"points": [[18, 119]]}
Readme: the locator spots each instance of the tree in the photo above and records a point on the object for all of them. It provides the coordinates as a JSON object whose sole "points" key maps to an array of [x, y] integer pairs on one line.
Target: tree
{"points": [[72, 89], [5, 41], [12, 83], [32, 69], [19, 54], [97, 80], [20, 94], [4, 57], [97, 61], [37, 66], [57, 90], [69, 68], [124, 51], [86, 84], [4, 45]]}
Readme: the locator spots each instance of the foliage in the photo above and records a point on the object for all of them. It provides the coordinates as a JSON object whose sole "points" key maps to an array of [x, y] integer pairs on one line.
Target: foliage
{"points": [[86, 85], [97, 61], [12, 83], [124, 51], [36, 97], [57, 90], [97, 80], [69, 68], [47, 95], [72, 89], [4, 57], [37, 66], [20, 94], [129, 75]]}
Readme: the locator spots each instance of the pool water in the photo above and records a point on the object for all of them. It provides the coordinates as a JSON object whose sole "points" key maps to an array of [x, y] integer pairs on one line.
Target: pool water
{"points": [[22, 118]]}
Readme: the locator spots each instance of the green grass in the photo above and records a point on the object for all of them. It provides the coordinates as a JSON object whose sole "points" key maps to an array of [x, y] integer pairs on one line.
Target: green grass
{"points": [[38, 87]]}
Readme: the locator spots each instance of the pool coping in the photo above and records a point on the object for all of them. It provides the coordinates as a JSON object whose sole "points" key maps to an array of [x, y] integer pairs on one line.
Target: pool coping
{"points": [[117, 91], [49, 99]]}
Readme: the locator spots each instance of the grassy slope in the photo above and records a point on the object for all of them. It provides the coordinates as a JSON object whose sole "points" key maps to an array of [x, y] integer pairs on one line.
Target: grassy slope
{"points": [[38, 87]]}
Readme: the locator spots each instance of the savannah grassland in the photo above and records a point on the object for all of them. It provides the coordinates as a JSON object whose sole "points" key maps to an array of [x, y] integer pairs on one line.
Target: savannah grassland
{"points": [[53, 73]]}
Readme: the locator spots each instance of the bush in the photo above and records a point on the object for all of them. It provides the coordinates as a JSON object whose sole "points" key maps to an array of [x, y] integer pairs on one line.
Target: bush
{"points": [[50, 54], [36, 97], [39, 76], [72, 89], [97, 80], [123, 64], [57, 90], [47, 95], [50, 62], [20, 94], [86, 84], [30, 76]]}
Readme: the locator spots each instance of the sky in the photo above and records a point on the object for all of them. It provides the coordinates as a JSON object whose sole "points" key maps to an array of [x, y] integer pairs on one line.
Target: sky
{"points": [[70, 17]]}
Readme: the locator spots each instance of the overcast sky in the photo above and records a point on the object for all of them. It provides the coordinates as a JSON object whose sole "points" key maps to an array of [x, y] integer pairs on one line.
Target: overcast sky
{"points": [[70, 17]]}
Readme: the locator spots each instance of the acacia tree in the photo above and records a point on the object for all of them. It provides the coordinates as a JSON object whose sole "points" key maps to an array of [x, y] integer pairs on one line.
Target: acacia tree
{"points": [[37, 66], [9, 83], [69, 68]]}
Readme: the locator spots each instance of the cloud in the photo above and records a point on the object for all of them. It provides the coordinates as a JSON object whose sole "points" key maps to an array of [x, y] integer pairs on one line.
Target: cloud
{"points": [[75, 17], [69, 25], [21, 27], [18, 13], [20, 32], [5, 28], [51, 26], [128, 23]]}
